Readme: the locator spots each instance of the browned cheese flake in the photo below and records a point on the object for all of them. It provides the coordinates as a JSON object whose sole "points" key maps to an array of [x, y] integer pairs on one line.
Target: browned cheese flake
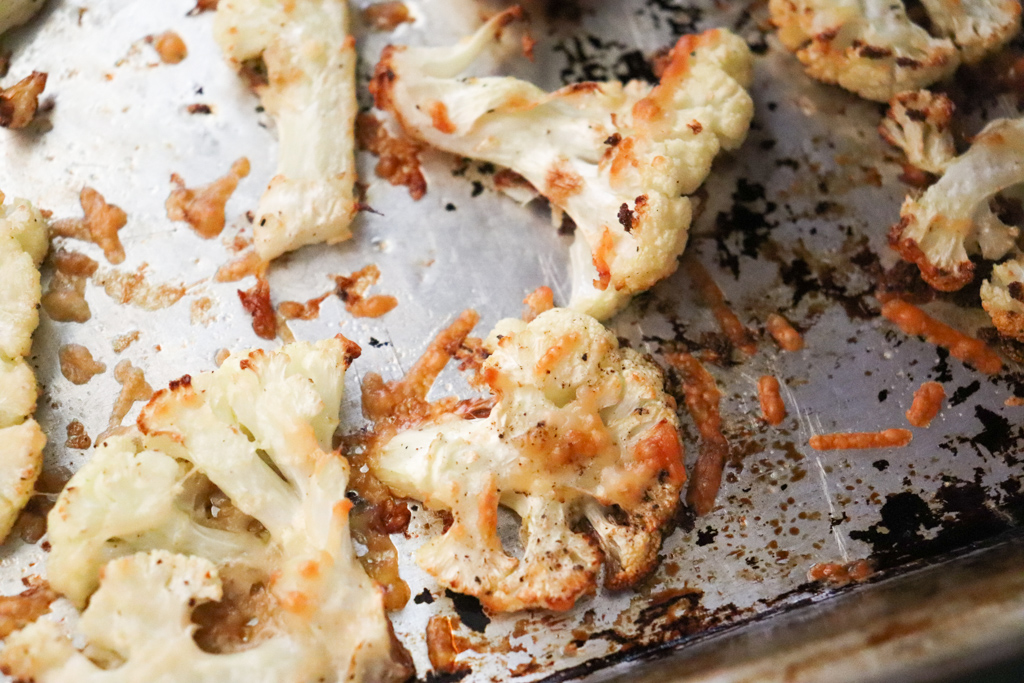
{"points": [[77, 364], [101, 223], [203, 208], [20, 102]]}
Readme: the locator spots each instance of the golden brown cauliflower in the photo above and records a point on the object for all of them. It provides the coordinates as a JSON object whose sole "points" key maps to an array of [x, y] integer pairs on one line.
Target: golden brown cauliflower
{"points": [[582, 444], [873, 48]]}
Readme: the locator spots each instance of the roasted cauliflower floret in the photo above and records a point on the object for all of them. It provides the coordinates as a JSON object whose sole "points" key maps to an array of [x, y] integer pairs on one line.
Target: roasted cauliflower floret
{"points": [[311, 93], [23, 244], [919, 124], [978, 27], [582, 444], [138, 624], [259, 430], [1003, 298], [872, 48], [17, 12], [954, 218], [618, 159]]}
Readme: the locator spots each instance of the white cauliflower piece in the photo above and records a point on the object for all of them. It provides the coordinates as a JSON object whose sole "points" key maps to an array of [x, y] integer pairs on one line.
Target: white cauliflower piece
{"points": [[139, 625], [311, 93], [618, 159], [259, 428], [23, 244], [978, 27], [1003, 298], [14, 13], [872, 48], [21, 460], [918, 123], [582, 444], [954, 218]]}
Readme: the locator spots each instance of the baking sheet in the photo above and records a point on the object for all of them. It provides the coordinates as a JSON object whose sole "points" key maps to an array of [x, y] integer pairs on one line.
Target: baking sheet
{"points": [[795, 222]]}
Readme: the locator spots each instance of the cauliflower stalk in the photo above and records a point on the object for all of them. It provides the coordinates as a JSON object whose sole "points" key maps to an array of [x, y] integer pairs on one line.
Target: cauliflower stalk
{"points": [[23, 244], [919, 124], [619, 159], [954, 219], [874, 49], [582, 444], [131, 522], [1003, 298], [311, 93]]}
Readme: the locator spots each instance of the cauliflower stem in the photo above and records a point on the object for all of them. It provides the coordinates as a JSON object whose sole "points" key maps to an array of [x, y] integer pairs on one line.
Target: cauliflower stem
{"points": [[310, 91]]}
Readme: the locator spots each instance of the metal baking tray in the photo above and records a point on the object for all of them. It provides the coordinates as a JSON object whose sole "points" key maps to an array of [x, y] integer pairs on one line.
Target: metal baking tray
{"points": [[794, 222]]}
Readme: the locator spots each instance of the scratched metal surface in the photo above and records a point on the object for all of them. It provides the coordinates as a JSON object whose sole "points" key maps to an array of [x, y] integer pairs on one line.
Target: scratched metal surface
{"points": [[793, 222]]}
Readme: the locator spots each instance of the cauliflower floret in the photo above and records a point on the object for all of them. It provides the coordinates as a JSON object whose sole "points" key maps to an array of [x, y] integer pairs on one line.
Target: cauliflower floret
{"points": [[16, 12], [23, 244], [872, 48], [618, 159], [139, 624], [953, 218], [978, 27], [918, 123], [582, 435], [311, 93], [259, 428], [1003, 298]]}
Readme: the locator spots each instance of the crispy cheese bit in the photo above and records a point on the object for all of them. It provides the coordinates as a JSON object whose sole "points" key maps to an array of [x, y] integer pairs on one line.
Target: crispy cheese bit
{"points": [[702, 397], [134, 388], [101, 223], [840, 574], [203, 6], [256, 301], [374, 518], [352, 290], [404, 400], [441, 646], [169, 46], [912, 320], [772, 408], [784, 334], [398, 157], [712, 295], [927, 403], [387, 16], [203, 208], [18, 610], [245, 265], [294, 310], [538, 301], [19, 103], [77, 364], [78, 438], [840, 441]]}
